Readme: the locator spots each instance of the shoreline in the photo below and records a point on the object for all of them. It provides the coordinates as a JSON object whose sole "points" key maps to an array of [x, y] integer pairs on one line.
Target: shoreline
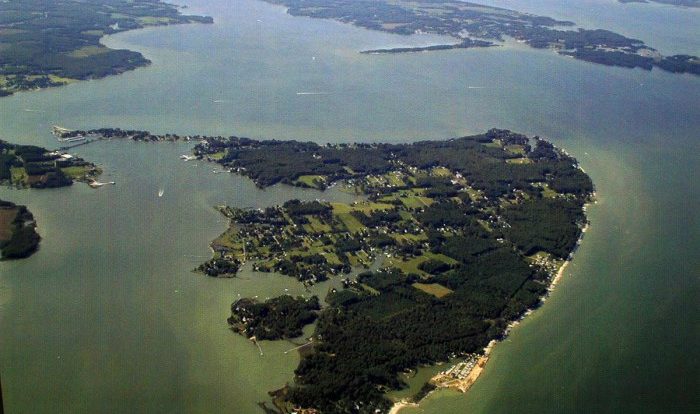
{"points": [[398, 406], [463, 385]]}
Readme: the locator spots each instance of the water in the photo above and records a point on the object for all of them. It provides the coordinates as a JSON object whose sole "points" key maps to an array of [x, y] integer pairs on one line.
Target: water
{"points": [[107, 316]]}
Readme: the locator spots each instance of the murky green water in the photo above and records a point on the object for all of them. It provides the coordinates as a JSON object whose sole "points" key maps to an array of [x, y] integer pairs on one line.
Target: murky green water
{"points": [[107, 317]]}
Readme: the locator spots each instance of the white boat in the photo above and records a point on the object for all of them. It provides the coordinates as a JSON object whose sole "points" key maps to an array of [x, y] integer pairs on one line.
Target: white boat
{"points": [[161, 192], [97, 184]]}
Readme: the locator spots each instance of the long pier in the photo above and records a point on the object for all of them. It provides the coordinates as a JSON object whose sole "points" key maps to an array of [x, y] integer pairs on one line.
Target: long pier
{"points": [[67, 147]]}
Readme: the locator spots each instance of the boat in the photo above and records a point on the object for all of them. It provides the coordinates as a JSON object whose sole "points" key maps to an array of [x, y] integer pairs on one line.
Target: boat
{"points": [[161, 192], [97, 184]]}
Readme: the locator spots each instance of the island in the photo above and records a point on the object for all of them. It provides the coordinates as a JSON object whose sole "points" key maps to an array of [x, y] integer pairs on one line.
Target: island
{"points": [[476, 25], [18, 236], [52, 43], [36, 167], [448, 244]]}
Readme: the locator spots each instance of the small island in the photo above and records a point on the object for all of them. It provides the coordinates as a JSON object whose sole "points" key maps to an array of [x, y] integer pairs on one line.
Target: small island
{"points": [[477, 25], [464, 235], [18, 236], [52, 43]]}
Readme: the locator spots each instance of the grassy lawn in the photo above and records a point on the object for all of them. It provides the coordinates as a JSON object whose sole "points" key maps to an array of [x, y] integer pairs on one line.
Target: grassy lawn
{"points": [[515, 149], [88, 51], [414, 201], [441, 172], [318, 227], [343, 212], [365, 207], [474, 195], [311, 180], [434, 289], [547, 192], [93, 32], [351, 223], [332, 258], [58, 79], [74, 172], [217, 155], [411, 265], [410, 237], [395, 180], [151, 20], [19, 175], [518, 161]]}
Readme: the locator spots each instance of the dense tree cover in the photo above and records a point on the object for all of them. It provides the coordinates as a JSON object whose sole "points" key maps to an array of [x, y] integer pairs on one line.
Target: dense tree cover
{"points": [[277, 318], [366, 339], [447, 213], [23, 239], [434, 267], [298, 208], [217, 267], [486, 167], [545, 225], [478, 25], [44, 42], [456, 221]]}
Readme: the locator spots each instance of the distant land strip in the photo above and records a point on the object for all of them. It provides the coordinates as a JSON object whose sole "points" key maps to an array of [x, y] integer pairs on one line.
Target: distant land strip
{"points": [[476, 25]]}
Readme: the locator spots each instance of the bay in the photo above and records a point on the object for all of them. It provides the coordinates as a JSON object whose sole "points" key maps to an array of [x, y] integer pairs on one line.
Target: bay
{"points": [[107, 316]]}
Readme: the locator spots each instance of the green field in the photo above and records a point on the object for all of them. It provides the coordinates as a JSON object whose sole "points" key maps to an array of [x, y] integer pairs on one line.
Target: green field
{"points": [[435, 289]]}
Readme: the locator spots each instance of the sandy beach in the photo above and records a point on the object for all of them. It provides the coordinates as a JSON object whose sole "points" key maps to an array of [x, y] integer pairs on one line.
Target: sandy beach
{"points": [[398, 406]]}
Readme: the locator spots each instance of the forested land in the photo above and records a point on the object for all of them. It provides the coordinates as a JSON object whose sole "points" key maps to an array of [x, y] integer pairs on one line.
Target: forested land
{"points": [[282, 317], [476, 25], [49, 43], [466, 233], [497, 162]]}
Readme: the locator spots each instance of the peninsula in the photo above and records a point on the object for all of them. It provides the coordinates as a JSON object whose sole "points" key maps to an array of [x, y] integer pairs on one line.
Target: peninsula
{"points": [[476, 25], [52, 43], [466, 234], [36, 167]]}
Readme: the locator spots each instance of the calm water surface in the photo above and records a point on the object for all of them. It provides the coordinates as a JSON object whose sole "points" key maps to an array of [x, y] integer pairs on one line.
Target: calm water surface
{"points": [[107, 316]]}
